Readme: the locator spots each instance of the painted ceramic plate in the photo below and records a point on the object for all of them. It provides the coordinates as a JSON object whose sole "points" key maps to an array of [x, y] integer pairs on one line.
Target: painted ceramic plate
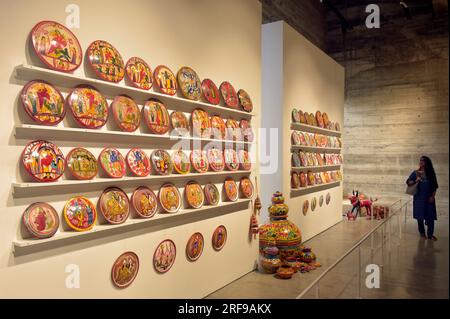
{"points": [[295, 137], [318, 139], [319, 119], [296, 160], [245, 101], [125, 269], [114, 205], [199, 161], [106, 61], [180, 123], [337, 127], [318, 178], [313, 119], [144, 202], [126, 113], [320, 200], [295, 115], [112, 162], [201, 125], [313, 204], [229, 95], [319, 159], [216, 159], [303, 181], [194, 246], [218, 127], [244, 160], [231, 159], [43, 160], [212, 195], [219, 237], [303, 158], [302, 138], [80, 214], [305, 207], [302, 117], [314, 158], [169, 198], [88, 106], [156, 116], [234, 132], [311, 178], [139, 73], [295, 180], [312, 140], [56, 46], [328, 198], [138, 162], [307, 139], [231, 189], [193, 193], [41, 220], [210, 92], [246, 187], [189, 83], [165, 80], [323, 176], [325, 119], [181, 162], [247, 131], [43, 102], [82, 164], [164, 256], [161, 161]]}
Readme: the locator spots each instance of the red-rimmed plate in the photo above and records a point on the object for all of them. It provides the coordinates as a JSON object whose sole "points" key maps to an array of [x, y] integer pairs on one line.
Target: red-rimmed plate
{"points": [[229, 95], [295, 158], [295, 115], [199, 161], [216, 159], [125, 269], [139, 73], [246, 187], [219, 237], [247, 131], [138, 162], [212, 195], [319, 119], [201, 125], [328, 198], [302, 138], [231, 189], [181, 162], [112, 162], [234, 132], [218, 127], [193, 193], [126, 113], [80, 213], [164, 256], [311, 178], [305, 207], [295, 138], [302, 117], [41, 220], [180, 123], [245, 101], [189, 83], [106, 61], [161, 161], [337, 127], [43, 160], [231, 159], [210, 91], [144, 202], [244, 160], [156, 116], [303, 181], [325, 119], [303, 158], [194, 246], [169, 198], [165, 80], [114, 205], [295, 180], [82, 164], [320, 200]]}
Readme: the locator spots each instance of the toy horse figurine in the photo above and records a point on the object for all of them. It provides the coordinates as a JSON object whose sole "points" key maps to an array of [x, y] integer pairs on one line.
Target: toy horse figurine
{"points": [[358, 201]]}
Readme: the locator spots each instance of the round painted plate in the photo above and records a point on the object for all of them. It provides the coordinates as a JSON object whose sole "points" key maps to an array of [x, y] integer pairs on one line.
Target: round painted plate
{"points": [[181, 162], [194, 194], [246, 130], [303, 158], [318, 178], [302, 138], [189, 83], [328, 198], [305, 207], [199, 161], [43, 160], [313, 204], [41, 220], [161, 162], [80, 214], [138, 162], [307, 139], [169, 198], [323, 176], [126, 113], [194, 246], [303, 182], [319, 159], [156, 116], [212, 195], [125, 269], [311, 178], [231, 189], [245, 101], [219, 237], [231, 159], [114, 205], [295, 137], [313, 119], [302, 117], [43, 102], [144, 202], [234, 132], [180, 123], [201, 125], [312, 140], [244, 160], [218, 127], [164, 256], [295, 115], [210, 91], [165, 80], [229, 95], [106, 61], [320, 200], [139, 73], [112, 162], [325, 119], [319, 119], [82, 164], [56, 46], [216, 159], [337, 126], [295, 180], [88, 106], [296, 160], [246, 187]]}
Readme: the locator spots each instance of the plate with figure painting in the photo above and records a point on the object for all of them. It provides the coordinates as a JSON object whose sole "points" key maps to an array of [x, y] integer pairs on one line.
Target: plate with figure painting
{"points": [[41, 220], [229, 95], [193, 193], [246, 187], [139, 73], [231, 189], [189, 83], [106, 61], [112, 162], [126, 113], [201, 124], [82, 164], [80, 213], [125, 269], [181, 162], [164, 256], [234, 132], [43, 160], [194, 246], [218, 127], [216, 159], [169, 198], [162, 162], [114, 205], [156, 116], [245, 101], [219, 238], [210, 91], [231, 159], [244, 160], [144, 202], [165, 80], [247, 131], [212, 195], [179, 123], [138, 162], [199, 161]]}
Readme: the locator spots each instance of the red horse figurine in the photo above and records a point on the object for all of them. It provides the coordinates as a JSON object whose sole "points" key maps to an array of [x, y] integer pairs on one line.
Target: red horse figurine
{"points": [[358, 201]]}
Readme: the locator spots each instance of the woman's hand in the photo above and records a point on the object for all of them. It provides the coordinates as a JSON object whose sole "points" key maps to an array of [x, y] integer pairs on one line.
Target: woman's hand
{"points": [[431, 200]]}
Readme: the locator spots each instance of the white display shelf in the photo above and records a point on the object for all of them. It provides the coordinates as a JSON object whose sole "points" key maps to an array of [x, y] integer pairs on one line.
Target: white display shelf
{"points": [[66, 80], [316, 168], [312, 189], [316, 149], [314, 129], [64, 238]]}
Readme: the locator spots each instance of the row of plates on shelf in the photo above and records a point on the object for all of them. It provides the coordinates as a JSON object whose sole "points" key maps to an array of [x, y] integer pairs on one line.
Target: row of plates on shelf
{"points": [[306, 206], [319, 119], [305, 159], [317, 140], [302, 179]]}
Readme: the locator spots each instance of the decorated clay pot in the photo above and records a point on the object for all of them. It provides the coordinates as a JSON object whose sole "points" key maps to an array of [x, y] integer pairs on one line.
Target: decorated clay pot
{"points": [[307, 256], [285, 272], [292, 262], [269, 260]]}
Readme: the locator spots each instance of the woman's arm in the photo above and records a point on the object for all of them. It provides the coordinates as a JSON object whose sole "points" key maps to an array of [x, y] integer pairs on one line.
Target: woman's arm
{"points": [[412, 179], [431, 199]]}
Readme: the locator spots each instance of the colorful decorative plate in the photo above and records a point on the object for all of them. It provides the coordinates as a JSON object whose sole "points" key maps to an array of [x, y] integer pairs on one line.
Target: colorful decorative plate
{"points": [[41, 220], [80, 214], [199, 161], [303, 180], [181, 162], [212, 195], [296, 160], [139, 73], [314, 158], [325, 119], [125, 269], [313, 119], [229, 95], [313, 204], [114, 205], [189, 83], [216, 159], [156, 116], [106, 61], [295, 115], [126, 113], [169, 198], [161, 161], [305, 207], [144, 202], [43, 160], [318, 139], [180, 123], [164, 256], [218, 127], [56, 46], [307, 139], [295, 180], [210, 91], [88, 106], [337, 127], [302, 117], [319, 159], [194, 194], [82, 164], [231, 159], [246, 187], [320, 200], [323, 176], [231, 189], [303, 158], [201, 125], [328, 198], [234, 132], [247, 131], [312, 140], [112, 162], [138, 162], [245, 101], [311, 178], [295, 137], [302, 138], [319, 119], [318, 178], [219, 237], [244, 160], [165, 80], [194, 246]]}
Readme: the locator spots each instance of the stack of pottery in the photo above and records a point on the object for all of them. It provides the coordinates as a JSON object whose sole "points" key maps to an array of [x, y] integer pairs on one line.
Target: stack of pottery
{"points": [[269, 260]]}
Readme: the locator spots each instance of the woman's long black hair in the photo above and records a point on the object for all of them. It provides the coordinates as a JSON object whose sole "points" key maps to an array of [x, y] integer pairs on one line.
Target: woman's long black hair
{"points": [[429, 171]]}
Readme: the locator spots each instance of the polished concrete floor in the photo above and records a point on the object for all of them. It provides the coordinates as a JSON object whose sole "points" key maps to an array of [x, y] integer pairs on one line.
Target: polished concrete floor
{"points": [[410, 267]]}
